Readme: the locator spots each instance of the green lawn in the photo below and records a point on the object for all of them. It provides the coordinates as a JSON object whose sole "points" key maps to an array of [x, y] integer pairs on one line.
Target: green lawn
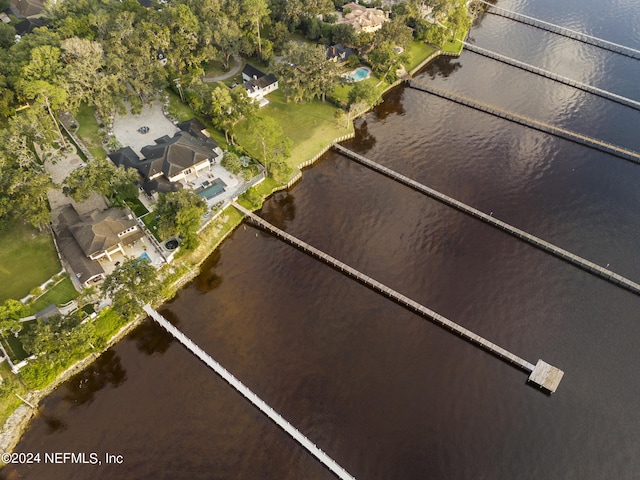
{"points": [[311, 126], [453, 46], [59, 294], [14, 348], [88, 131], [417, 52], [150, 222], [27, 259], [137, 207]]}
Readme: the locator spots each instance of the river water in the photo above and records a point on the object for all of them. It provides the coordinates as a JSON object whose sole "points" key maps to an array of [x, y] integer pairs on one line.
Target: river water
{"points": [[386, 393]]}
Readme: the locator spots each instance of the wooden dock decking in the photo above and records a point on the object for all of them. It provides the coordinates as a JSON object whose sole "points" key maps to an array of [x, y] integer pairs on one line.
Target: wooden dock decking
{"points": [[585, 140], [628, 102], [565, 32], [249, 395], [399, 298], [558, 252]]}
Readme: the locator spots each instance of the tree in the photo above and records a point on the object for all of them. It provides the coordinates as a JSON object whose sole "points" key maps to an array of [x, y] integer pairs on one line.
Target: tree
{"points": [[362, 93], [10, 314], [228, 38], [184, 27], [50, 97], [227, 107], [85, 74], [7, 35], [253, 12], [274, 146], [133, 284], [180, 214], [23, 182], [305, 72], [385, 61], [395, 33], [101, 176], [57, 339], [344, 33]]}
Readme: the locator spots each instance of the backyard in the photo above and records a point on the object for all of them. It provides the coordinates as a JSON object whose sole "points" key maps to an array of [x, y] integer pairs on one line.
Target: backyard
{"points": [[27, 259], [311, 126], [59, 294]]}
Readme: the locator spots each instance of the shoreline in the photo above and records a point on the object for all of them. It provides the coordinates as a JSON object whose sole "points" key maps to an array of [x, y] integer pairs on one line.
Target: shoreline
{"points": [[18, 422]]}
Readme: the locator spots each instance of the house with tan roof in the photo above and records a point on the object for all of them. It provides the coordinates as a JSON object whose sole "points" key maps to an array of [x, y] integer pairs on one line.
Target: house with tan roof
{"points": [[28, 8], [362, 19], [85, 238]]}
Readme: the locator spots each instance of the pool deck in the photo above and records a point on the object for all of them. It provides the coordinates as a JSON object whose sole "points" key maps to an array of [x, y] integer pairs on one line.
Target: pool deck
{"points": [[137, 249]]}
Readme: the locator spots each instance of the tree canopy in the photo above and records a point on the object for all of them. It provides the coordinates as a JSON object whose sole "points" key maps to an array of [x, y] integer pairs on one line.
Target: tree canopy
{"points": [[101, 176], [305, 72], [133, 284], [274, 146], [180, 214]]}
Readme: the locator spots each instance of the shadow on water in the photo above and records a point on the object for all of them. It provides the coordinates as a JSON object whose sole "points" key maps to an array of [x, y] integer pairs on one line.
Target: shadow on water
{"points": [[363, 141], [54, 424], [106, 371], [442, 67], [392, 104], [208, 279], [151, 338], [481, 12], [281, 210]]}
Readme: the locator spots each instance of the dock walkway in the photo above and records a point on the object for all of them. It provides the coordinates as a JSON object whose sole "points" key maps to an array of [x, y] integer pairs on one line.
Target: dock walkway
{"points": [[548, 379], [565, 255], [565, 32], [249, 395], [585, 140], [628, 102]]}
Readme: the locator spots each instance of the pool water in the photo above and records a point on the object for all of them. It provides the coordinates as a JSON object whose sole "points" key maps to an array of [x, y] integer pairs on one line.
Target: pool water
{"points": [[145, 256], [216, 187], [360, 74]]}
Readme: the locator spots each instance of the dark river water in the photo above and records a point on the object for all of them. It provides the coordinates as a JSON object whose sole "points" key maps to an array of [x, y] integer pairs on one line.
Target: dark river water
{"points": [[389, 395]]}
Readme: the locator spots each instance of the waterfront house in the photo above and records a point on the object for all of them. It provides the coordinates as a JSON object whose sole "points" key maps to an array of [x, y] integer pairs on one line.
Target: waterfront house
{"points": [[85, 238], [171, 159], [258, 84]]}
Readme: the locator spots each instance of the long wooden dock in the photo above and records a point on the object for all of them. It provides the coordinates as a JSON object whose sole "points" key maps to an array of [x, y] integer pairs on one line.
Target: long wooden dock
{"points": [[554, 250], [249, 395], [585, 140], [547, 379], [628, 102], [565, 32]]}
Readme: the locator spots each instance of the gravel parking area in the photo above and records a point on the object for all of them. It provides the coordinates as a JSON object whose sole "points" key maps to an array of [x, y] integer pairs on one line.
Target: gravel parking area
{"points": [[125, 127]]}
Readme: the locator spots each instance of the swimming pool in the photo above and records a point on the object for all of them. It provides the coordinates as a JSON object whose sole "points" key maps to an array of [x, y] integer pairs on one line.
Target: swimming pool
{"points": [[216, 188], [360, 74], [145, 256]]}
